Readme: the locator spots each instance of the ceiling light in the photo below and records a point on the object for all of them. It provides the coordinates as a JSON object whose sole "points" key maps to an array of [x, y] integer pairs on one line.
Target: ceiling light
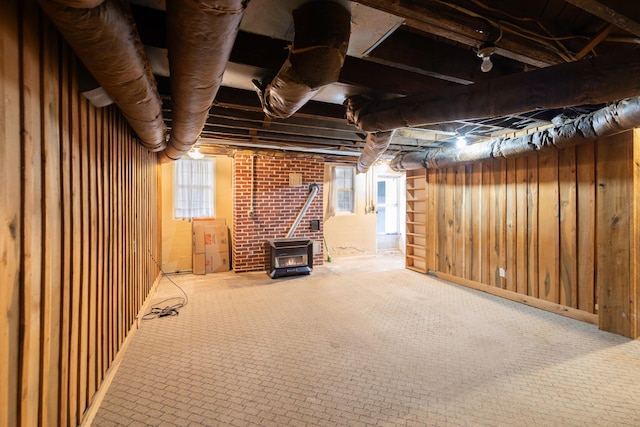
{"points": [[485, 51], [195, 153], [461, 141]]}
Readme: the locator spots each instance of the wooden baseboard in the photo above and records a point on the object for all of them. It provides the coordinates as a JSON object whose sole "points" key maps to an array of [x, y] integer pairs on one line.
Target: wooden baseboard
{"points": [[524, 299], [92, 410]]}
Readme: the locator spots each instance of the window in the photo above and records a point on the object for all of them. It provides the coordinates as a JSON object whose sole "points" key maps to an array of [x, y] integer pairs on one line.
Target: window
{"points": [[193, 188], [343, 186]]}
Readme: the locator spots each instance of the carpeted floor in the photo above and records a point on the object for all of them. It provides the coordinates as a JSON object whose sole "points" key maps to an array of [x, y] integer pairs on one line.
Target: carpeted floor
{"points": [[361, 342]]}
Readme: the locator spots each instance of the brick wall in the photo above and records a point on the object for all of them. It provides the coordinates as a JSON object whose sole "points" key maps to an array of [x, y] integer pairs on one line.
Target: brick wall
{"points": [[275, 206]]}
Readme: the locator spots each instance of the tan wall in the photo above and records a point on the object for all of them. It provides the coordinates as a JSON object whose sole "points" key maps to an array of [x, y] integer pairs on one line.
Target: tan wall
{"points": [[78, 228], [350, 234], [176, 233]]}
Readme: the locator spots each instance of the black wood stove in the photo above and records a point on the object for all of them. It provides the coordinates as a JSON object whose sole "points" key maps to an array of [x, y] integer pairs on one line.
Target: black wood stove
{"points": [[290, 257]]}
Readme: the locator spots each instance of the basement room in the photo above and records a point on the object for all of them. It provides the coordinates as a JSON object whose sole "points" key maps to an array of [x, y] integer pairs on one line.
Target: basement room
{"points": [[319, 212]]}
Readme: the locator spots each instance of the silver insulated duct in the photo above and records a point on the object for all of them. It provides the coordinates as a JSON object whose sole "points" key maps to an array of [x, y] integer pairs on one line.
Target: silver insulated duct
{"points": [[322, 31], [611, 120]]}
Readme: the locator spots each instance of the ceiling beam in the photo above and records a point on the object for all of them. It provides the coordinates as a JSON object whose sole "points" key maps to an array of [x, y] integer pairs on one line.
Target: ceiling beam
{"points": [[618, 13], [420, 54], [589, 81], [434, 18], [269, 54]]}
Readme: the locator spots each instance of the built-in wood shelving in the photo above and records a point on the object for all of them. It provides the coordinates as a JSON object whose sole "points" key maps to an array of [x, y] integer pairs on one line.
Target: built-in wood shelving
{"points": [[416, 221]]}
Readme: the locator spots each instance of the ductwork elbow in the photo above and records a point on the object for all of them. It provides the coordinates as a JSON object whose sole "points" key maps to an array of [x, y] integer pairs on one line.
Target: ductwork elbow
{"points": [[377, 143], [105, 39], [200, 36], [322, 31]]}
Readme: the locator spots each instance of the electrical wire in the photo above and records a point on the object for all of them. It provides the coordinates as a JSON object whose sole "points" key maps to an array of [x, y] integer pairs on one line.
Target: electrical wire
{"points": [[159, 309], [505, 26]]}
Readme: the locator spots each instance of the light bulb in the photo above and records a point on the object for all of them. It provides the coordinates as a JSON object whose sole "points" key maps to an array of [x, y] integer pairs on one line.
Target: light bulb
{"points": [[487, 65], [461, 141], [195, 153]]}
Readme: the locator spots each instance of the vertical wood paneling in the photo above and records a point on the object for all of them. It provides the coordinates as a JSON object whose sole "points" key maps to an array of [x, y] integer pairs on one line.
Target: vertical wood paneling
{"points": [[10, 214], [497, 234], [548, 227], [532, 226], [586, 227], [485, 208], [66, 94], [541, 218], [511, 224], [66, 170], [568, 228], [635, 236], [476, 222], [522, 253], [458, 224], [32, 235], [614, 178], [52, 231]]}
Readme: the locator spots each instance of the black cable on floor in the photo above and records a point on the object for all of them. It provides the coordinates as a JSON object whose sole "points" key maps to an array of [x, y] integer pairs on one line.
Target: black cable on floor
{"points": [[157, 310]]}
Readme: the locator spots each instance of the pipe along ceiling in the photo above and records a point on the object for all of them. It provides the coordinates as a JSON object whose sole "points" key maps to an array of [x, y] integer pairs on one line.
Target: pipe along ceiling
{"points": [[201, 35], [611, 120]]}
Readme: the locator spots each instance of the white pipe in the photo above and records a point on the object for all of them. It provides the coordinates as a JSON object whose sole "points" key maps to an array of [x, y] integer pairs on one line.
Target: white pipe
{"points": [[313, 190]]}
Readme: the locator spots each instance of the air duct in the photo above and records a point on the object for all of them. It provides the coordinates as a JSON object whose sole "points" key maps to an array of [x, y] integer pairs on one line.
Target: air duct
{"points": [[377, 143], [103, 35], [200, 36], [592, 81], [322, 31], [611, 120]]}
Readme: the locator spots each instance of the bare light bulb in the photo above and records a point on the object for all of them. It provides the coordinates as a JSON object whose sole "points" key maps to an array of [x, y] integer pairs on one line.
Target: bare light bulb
{"points": [[461, 141], [487, 65], [485, 52], [195, 153]]}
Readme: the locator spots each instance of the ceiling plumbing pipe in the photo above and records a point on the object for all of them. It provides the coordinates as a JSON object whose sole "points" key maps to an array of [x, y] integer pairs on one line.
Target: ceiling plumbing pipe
{"points": [[103, 35], [313, 191], [377, 143], [200, 36], [616, 118], [322, 31]]}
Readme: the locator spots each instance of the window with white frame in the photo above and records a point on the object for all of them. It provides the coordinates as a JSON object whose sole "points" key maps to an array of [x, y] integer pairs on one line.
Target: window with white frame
{"points": [[343, 184], [194, 188]]}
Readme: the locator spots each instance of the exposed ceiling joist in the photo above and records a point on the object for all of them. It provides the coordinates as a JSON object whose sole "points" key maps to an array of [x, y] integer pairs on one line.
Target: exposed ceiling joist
{"points": [[593, 81], [432, 17], [616, 12]]}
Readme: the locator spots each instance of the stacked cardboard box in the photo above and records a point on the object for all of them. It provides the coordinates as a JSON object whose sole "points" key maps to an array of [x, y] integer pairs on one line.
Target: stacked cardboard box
{"points": [[210, 246]]}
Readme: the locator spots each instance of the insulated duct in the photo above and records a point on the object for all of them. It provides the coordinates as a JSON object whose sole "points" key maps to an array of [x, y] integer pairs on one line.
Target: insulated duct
{"points": [[596, 80], [611, 120], [105, 39], [200, 36], [377, 143], [322, 31]]}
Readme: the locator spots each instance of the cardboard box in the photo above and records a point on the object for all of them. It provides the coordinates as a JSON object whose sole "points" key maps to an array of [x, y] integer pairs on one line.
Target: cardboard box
{"points": [[210, 246]]}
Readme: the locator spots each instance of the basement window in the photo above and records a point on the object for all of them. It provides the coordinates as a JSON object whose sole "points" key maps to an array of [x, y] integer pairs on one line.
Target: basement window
{"points": [[193, 194], [343, 179]]}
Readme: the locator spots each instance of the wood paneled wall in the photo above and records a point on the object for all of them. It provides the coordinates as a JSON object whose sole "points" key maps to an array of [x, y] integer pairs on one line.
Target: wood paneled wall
{"points": [[561, 227], [78, 225]]}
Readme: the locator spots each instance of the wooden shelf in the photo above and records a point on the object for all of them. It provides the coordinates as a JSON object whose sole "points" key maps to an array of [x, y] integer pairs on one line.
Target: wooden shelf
{"points": [[416, 254]]}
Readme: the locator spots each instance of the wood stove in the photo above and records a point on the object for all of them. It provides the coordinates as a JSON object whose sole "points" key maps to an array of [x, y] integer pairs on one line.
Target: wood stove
{"points": [[290, 257]]}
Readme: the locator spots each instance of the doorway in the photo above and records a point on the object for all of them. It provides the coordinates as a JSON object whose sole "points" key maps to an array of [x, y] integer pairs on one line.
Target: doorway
{"points": [[388, 220]]}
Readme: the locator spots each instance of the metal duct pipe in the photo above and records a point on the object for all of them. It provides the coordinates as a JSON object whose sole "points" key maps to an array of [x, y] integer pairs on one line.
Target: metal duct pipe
{"points": [[105, 39], [313, 190], [200, 36], [322, 31], [377, 143], [616, 118], [597, 80]]}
